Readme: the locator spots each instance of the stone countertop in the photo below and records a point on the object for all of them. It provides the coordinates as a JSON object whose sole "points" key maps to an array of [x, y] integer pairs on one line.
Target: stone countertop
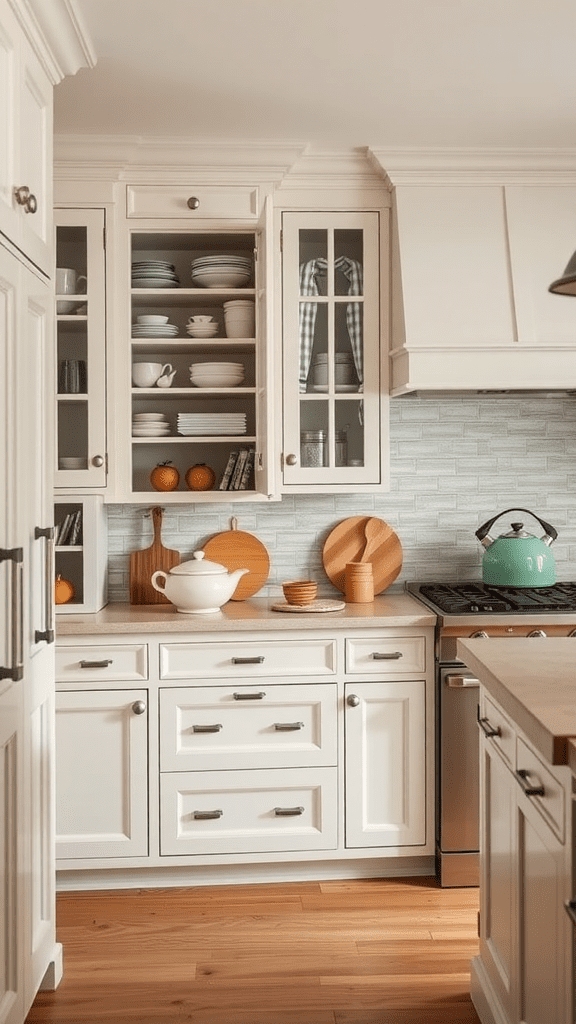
{"points": [[398, 609], [534, 681]]}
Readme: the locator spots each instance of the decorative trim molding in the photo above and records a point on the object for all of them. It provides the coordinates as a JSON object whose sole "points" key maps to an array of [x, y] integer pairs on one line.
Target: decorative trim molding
{"points": [[475, 166], [57, 34]]}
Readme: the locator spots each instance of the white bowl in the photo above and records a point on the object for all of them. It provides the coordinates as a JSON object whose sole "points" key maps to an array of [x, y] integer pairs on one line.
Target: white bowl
{"points": [[152, 319], [203, 319], [219, 279], [202, 332], [216, 367], [148, 416]]}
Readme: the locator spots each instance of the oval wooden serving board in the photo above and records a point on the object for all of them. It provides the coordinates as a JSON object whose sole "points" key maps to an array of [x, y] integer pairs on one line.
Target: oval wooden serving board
{"points": [[236, 549], [346, 543]]}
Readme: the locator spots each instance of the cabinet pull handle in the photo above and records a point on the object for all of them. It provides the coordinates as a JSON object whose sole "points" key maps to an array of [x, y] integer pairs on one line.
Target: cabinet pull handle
{"points": [[386, 656], [256, 660], [96, 664], [139, 707], [570, 906], [24, 197], [288, 726], [47, 534], [459, 682], [291, 459], [207, 728], [353, 700], [523, 777], [98, 461], [487, 729], [288, 812], [15, 671], [206, 815], [193, 203], [249, 696]]}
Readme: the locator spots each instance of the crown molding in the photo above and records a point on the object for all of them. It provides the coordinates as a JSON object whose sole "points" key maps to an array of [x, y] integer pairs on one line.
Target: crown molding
{"points": [[57, 34], [475, 166]]}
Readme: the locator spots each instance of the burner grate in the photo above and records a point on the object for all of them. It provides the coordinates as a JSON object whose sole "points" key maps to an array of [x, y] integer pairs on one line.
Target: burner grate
{"points": [[474, 597]]}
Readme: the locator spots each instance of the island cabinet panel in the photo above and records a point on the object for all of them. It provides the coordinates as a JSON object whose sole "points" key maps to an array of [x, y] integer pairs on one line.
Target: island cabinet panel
{"points": [[240, 658]]}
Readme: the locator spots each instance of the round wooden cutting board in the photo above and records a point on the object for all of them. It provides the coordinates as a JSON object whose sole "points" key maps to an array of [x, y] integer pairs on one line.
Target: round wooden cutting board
{"points": [[346, 543], [236, 549]]}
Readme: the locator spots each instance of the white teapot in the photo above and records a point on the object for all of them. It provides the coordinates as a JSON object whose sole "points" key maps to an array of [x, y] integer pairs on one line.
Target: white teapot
{"points": [[198, 586]]}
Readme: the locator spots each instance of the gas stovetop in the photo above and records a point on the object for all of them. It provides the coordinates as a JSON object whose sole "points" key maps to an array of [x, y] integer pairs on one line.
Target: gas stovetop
{"points": [[476, 598]]}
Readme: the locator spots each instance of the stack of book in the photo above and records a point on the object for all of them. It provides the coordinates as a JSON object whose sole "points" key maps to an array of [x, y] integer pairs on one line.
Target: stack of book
{"points": [[238, 469], [68, 531]]}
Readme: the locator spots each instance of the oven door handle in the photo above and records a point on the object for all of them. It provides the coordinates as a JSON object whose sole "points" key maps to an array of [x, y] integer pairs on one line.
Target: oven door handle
{"points": [[459, 681]]}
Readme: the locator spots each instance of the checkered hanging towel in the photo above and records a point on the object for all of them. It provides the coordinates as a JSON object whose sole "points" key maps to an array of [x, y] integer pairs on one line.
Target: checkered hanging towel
{"points": [[309, 273]]}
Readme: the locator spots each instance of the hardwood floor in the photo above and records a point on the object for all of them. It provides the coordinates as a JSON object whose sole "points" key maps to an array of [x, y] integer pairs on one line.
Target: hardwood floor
{"points": [[380, 951]]}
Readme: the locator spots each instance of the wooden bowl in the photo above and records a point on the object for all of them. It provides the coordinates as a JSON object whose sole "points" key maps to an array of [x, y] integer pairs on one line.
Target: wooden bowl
{"points": [[300, 591]]}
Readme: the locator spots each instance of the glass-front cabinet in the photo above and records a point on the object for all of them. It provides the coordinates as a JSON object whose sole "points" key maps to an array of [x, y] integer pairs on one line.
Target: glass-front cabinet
{"points": [[333, 423], [80, 370]]}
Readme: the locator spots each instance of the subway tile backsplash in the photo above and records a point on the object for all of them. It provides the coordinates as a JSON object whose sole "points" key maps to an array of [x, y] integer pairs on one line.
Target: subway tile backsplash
{"points": [[455, 462]]}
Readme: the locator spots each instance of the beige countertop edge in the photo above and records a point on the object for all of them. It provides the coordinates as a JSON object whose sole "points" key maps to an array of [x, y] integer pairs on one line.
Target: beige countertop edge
{"points": [[394, 610], [534, 681]]}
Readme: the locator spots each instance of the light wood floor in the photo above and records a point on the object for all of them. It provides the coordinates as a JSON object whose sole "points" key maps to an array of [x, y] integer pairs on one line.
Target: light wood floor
{"points": [[351, 952]]}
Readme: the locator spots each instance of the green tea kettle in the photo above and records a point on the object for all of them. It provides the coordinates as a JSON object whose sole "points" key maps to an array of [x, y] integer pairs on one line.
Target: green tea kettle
{"points": [[518, 559]]}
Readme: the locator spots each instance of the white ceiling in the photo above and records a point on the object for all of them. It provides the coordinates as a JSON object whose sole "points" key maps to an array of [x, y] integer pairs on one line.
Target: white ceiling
{"points": [[414, 73]]}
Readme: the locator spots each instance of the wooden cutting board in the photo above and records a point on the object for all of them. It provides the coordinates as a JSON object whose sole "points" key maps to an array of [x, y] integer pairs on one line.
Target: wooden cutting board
{"points": [[236, 549], [346, 543], [145, 562]]}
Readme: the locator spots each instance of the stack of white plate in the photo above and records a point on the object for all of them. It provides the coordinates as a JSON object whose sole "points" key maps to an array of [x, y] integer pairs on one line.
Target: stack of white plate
{"points": [[154, 274], [154, 331], [223, 271], [206, 330], [201, 424], [216, 375], [150, 424]]}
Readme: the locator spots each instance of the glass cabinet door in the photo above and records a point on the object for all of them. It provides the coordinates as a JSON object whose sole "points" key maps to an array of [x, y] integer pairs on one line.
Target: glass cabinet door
{"points": [[80, 349], [331, 349]]}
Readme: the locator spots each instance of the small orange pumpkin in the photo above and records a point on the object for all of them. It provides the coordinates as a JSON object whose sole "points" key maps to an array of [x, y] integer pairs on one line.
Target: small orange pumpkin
{"points": [[165, 477], [64, 590], [200, 477]]}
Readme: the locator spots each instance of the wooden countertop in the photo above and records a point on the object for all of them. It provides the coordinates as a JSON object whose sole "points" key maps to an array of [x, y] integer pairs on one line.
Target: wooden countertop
{"points": [[398, 609], [534, 681]]}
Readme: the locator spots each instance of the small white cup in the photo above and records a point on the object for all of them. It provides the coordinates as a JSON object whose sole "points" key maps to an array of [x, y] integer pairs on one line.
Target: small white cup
{"points": [[200, 319], [145, 375], [68, 282]]}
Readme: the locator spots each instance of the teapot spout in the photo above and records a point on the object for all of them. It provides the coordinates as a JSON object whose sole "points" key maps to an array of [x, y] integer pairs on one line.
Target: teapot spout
{"points": [[235, 576]]}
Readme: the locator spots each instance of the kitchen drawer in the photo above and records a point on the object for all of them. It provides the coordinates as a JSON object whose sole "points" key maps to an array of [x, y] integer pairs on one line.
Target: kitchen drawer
{"points": [[551, 804], [273, 726], [248, 811], [239, 202], [91, 664], [389, 656], [242, 659], [505, 738]]}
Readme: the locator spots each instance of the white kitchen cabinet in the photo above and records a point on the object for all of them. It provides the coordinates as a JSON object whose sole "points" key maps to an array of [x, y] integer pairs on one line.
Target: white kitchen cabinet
{"points": [[25, 144], [524, 973], [161, 226], [472, 262], [386, 760], [81, 550], [101, 773], [80, 353], [334, 433]]}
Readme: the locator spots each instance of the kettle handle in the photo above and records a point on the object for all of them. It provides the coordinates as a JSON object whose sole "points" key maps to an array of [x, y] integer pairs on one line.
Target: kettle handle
{"points": [[550, 532]]}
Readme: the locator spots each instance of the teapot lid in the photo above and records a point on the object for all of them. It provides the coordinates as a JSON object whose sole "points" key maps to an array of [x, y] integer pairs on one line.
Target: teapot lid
{"points": [[198, 566], [517, 531]]}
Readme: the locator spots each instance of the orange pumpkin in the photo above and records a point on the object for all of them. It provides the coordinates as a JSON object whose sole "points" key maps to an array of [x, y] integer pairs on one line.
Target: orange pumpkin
{"points": [[165, 477], [200, 477], [64, 590]]}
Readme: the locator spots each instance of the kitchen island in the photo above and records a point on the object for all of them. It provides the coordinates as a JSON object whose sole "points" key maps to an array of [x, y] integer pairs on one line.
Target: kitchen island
{"points": [[244, 745], [527, 714]]}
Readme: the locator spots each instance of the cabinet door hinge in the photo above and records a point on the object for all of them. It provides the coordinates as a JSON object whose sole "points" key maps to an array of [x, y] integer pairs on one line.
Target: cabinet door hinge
{"points": [[478, 923], [104, 237], [282, 241]]}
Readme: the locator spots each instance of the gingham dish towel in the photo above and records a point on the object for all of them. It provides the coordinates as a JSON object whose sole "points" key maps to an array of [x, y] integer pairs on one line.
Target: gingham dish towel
{"points": [[309, 273]]}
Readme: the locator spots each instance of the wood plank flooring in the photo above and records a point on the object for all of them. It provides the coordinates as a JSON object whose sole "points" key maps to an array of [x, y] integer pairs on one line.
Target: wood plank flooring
{"points": [[371, 951]]}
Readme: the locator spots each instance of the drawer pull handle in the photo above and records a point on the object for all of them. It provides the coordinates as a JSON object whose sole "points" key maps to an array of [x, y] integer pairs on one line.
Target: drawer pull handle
{"points": [[193, 203], [571, 910], [523, 777], [206, 815], [96, 664], [487, 729], [288, 726], [249, 696], [460, 682], [139, 707], [288, 812], [207, 728], [257, 660], [387, 655]]}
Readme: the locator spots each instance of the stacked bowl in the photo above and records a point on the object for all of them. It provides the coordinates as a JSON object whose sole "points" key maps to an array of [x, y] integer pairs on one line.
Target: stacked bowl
{"points": [[216, 375], [222, 271], [202, 328], [239, 318], [300, 592]]}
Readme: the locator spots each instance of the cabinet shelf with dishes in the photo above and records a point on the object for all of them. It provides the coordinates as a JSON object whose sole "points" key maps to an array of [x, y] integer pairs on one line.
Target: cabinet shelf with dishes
{"points": [[198, 360], [80, 552]]}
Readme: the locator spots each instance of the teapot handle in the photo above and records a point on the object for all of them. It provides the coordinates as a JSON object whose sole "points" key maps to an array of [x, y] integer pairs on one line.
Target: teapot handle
{"points": [[156, 576], [549, 531]]}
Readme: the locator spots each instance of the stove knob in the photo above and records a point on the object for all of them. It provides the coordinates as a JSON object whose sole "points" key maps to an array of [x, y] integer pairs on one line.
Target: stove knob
{"points": [[481, 633], [537, 632]]}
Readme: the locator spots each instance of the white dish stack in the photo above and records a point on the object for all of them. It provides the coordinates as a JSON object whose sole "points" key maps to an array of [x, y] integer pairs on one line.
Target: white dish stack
{"points": [[150, 424], [204, 424], [222, 271], [240, 318], [216, 375]]}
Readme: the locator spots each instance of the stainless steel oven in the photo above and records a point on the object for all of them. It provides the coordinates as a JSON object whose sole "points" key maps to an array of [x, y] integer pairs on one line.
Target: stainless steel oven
{"points": [[464, 610]]}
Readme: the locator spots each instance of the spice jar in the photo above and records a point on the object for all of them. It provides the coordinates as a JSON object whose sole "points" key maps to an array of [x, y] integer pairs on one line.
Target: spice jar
{"points": [[313, 448]]}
